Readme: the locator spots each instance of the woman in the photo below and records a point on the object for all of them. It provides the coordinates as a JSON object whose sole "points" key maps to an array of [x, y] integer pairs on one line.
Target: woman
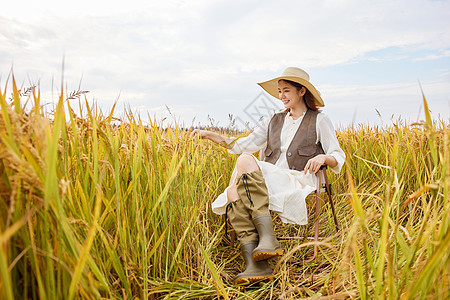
{"points": [[296, 142]]}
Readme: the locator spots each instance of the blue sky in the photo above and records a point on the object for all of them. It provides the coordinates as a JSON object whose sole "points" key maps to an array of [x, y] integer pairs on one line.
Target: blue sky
{"points": [[204, 57]]}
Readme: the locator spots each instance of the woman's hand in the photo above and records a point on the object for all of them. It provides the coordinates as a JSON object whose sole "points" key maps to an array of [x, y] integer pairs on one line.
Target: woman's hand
{"points": [[313, 165], [198, 133], [213, 136]]}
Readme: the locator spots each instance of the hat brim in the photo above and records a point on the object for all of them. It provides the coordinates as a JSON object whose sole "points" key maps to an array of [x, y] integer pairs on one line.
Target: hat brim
{"points": [[271, 86]]}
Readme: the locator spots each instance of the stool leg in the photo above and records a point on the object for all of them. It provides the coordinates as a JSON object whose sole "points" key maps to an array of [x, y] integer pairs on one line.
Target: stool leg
{"points": [[330, 199], [232, 239], [316, 223]]}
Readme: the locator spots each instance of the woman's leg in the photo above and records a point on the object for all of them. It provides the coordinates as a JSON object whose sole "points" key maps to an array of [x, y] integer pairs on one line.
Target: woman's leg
{"points": [[240, 217], [252, 191], [241, 220], [244, 164]]}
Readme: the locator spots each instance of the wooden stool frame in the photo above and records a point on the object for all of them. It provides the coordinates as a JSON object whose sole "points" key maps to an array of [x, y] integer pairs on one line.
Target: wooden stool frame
{"points": [[322, 180]]}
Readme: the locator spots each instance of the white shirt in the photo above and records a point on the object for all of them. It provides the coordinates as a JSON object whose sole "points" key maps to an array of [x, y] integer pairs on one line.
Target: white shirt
{"points": [[287, 188], [326, 135]]}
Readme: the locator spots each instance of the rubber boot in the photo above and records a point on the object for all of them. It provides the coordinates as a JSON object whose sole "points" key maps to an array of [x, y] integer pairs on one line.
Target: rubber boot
{"points": [[252, 188], [254, 271], [242, 222], [268, 245]]}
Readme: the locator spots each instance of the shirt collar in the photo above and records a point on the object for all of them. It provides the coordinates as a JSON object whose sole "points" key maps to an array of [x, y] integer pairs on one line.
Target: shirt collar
{"points": [[289, 117]]}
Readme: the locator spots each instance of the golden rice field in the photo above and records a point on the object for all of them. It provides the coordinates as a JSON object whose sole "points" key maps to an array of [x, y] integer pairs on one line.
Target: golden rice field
{"points": [[93, 210]]}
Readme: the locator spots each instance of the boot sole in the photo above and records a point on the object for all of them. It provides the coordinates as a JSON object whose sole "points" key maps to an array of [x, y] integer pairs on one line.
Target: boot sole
{"points": [[266, 254], [252, 279]]}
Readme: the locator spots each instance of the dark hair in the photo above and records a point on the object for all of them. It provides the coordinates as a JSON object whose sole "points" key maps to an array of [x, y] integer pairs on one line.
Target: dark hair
{"points": [[307, 97]]}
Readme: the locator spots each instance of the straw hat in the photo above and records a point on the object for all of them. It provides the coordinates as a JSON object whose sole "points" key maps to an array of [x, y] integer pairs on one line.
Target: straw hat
{"points": [[296, 75]]}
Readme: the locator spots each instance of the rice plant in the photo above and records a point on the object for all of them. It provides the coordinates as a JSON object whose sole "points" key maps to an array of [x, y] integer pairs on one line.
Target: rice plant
{"points": [[99, 206]]}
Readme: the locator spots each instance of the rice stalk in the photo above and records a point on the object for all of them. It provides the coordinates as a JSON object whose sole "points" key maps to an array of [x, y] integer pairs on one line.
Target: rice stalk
{"points": [[95, 205]]}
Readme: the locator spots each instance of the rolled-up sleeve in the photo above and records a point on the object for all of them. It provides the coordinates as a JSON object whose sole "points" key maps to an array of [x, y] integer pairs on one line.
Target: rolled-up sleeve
{"points": [[326, 135], [254, 142]]}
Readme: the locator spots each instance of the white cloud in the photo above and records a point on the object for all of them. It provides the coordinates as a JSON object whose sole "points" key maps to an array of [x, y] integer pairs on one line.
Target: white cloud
{"points": [[320, 33], [434, 56], [201, 56], [396, 100], [36, 11]]}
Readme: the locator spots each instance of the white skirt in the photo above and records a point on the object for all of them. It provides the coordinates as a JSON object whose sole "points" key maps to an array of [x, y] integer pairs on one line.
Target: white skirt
{"points": [[287, 190]]}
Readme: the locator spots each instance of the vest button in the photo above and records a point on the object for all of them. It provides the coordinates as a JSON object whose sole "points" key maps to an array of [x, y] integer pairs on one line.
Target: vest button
{"points": [[289, 154]]}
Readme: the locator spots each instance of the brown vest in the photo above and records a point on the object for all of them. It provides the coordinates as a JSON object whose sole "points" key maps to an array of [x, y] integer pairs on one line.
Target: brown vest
{"points": [[303, 146]]}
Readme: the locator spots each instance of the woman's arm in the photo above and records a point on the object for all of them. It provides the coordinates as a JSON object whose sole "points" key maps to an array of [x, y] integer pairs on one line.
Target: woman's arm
{"points": [[255, 141], [334, 157], [313, 165], [212, 136]]}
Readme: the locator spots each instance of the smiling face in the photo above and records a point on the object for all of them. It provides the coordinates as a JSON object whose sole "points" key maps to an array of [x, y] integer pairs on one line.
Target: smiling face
{"points": [[290, 95]]}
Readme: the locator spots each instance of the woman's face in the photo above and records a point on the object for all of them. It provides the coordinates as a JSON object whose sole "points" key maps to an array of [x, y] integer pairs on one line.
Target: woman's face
{"points": [[289, 94]]}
